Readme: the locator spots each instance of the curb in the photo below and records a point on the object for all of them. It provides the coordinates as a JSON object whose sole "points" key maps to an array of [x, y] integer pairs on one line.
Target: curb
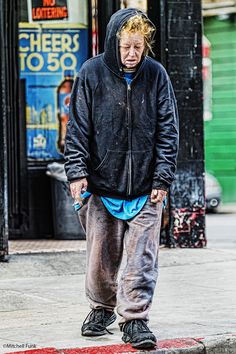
{"points": [[219, 344]]}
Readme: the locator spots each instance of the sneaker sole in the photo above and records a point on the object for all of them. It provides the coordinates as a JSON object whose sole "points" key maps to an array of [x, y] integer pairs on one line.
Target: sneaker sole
{"points": [[91, 333], [144, 344]]}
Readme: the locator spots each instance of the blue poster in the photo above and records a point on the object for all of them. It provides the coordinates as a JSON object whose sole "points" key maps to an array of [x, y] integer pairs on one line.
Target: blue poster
{"points": [[50, 55]]}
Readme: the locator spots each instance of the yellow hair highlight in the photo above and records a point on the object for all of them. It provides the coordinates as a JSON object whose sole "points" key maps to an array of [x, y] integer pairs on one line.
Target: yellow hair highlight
{"points": [[140, 24]]}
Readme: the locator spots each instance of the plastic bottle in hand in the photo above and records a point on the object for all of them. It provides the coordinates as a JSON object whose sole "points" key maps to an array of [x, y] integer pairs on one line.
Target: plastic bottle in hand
{"points": [[85, 195]]}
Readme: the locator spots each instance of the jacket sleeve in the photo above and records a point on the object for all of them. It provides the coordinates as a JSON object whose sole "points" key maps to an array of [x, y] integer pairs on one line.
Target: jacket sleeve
{"points": [[167, 136], [78, 132]]}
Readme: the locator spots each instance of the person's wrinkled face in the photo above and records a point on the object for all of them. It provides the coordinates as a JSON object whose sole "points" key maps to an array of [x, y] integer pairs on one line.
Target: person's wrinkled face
{"points": [[132, 46]]}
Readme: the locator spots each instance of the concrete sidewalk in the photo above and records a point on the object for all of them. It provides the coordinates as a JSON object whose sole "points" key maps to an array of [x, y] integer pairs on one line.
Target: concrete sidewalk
{"points": [[42, 303], [221, 344]]}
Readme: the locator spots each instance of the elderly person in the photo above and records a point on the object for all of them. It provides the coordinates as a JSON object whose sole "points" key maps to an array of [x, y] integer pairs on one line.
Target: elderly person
{"points": [[121, 148]]}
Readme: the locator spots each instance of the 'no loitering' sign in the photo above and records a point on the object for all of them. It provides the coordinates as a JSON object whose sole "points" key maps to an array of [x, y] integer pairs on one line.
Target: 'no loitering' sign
{"points": [[49, 10]]}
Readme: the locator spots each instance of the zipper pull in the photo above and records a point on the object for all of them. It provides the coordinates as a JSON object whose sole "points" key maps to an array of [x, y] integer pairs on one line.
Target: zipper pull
{"points": [[129, 87]]}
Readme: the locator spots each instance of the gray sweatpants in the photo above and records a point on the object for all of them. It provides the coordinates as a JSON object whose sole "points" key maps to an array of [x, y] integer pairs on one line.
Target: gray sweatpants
{"points": [[106, 237]]}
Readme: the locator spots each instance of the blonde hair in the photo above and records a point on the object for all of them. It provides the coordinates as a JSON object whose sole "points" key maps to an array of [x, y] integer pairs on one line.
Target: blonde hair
{"points": [[139, 23]]}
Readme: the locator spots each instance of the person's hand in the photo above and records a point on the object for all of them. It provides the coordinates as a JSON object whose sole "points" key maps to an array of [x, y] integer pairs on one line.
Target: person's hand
{"points": [[78, 187], [158, 195]]}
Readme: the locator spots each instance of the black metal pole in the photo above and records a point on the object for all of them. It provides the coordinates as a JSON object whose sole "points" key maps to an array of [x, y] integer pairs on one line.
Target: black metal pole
{"points": [[184, 65], [3, 140], [157, 13], [179, 48], [105, 9], [90, 36]]}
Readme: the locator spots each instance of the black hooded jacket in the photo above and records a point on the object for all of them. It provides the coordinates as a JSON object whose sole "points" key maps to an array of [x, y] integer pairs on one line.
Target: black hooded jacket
{"points": [[122, 138]]}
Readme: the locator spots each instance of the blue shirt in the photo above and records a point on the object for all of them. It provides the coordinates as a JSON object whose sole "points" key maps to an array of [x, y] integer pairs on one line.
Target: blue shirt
{"points": [[121, 209]]}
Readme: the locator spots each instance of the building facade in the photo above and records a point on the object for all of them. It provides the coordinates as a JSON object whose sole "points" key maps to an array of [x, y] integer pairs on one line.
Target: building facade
{"points": [[49, 42], [220, 130]]}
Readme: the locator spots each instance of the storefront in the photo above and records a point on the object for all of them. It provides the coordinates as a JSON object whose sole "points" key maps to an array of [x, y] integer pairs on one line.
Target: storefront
{"points": [[53, 44], [47, 43]]}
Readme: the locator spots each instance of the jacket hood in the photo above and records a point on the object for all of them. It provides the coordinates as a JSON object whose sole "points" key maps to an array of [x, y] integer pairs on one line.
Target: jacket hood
{"points": [[111, 48]]}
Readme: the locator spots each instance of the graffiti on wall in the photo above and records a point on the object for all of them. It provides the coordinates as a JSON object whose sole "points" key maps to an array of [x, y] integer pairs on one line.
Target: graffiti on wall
{"points": [[188, 209]]}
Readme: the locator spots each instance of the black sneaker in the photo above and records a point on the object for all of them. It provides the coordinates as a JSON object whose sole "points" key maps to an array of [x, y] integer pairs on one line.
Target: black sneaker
{"points": [[137, 333], [96, 322]]}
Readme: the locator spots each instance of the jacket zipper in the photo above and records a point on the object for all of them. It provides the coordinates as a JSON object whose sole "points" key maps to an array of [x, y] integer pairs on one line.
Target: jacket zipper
{"points": [[129, 186]]}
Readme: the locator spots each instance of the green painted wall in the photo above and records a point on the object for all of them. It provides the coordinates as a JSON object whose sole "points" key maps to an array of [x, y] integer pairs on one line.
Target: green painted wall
{"points": [[220, 132]]}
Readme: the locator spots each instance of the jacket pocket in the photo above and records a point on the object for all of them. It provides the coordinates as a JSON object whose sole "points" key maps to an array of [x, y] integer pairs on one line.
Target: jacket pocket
{"points": [[111, 173], [103, 161]]}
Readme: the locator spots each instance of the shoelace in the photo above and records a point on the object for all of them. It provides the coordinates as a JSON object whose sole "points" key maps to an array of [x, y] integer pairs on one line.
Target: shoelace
{"points": [[97, 316], [137, 325]]}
